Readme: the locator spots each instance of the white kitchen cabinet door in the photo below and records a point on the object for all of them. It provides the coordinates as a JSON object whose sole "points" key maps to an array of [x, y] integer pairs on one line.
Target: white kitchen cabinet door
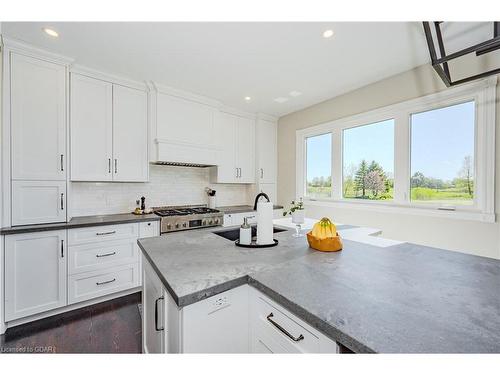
{"points": [[153, 313], [226, 128], [38, 202], [91, 129], [130, 134], [267, 152], [184, 121], [38, 119], [245, 146], [35, 273]]}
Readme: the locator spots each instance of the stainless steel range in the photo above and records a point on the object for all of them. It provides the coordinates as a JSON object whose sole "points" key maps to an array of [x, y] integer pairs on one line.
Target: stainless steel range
{"points": [[175, 218]]}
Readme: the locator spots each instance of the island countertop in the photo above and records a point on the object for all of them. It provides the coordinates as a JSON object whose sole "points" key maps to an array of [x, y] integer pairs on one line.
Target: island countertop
{"points": [[403, 298]]}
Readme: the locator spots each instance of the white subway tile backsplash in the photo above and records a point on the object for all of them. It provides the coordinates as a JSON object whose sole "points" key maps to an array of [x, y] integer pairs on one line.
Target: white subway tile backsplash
{"points": [[167, 186]]}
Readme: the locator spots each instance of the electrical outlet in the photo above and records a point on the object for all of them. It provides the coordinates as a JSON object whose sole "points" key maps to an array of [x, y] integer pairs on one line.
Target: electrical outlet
{"points": [[219, 303]]}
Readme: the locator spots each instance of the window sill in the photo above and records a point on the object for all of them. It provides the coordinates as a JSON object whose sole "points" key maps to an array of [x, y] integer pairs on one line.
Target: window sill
{"points": [[403, 209]]}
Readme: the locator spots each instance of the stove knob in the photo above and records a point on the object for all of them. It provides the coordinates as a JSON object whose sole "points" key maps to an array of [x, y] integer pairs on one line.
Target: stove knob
{"points": [[169, 226], [177, 226], [210, 222], [184, 225], [204, 222], [216, 221]]}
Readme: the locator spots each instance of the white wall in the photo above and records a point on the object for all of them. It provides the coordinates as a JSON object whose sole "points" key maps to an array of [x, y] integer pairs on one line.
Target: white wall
{"points": [[168, 185], [467, 236]]}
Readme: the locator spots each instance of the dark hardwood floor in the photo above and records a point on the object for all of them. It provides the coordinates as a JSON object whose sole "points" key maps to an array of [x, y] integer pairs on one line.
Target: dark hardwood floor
{"points": [[108, 327]]}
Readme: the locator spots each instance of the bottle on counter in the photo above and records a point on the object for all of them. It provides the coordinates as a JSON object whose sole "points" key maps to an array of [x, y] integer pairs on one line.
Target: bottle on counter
{"points": [[245, 232]]}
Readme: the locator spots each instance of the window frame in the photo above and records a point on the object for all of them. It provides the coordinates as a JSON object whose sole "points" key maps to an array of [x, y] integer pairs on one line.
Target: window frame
{"points": [[482, 92]]}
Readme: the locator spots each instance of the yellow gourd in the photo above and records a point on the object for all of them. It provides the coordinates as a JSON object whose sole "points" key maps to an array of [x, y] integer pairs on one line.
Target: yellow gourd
{"points": [[324, 229]]}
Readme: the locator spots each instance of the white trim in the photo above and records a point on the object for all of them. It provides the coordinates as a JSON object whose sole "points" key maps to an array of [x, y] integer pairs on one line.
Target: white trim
{"points": [[18, 46], [237, 112], [186, 95], [401, 209], [483, 93], [266, 117], [108, 77]]}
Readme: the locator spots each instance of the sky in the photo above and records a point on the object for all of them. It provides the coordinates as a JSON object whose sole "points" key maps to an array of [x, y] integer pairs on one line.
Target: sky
{"points": [[440, 139]]}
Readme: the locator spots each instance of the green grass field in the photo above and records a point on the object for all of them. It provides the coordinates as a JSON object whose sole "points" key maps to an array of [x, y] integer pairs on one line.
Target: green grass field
{"points": [[418, 195]]}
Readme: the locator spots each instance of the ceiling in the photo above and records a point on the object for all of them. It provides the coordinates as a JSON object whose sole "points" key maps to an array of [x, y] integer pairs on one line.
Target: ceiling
{"points": [[229, 61]]}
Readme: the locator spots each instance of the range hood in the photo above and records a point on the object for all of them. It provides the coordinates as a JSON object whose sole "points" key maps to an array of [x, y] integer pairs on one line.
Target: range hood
{"points": [[176, 164]]}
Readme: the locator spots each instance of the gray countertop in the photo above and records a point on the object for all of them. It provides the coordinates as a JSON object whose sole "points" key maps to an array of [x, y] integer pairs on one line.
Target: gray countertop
{"points": [[403, 298], [81, 221], [241, 209]]}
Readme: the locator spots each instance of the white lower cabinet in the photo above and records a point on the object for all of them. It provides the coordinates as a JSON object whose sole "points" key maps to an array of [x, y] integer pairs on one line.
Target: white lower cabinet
{"points": [[45, 271], [35, 273], [153, 312], [88, 285], [276, 330], [240, 320]]}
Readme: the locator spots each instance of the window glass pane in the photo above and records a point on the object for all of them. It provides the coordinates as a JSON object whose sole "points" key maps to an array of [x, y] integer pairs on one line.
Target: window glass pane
{"points": [[368, 161], [319, 166], [442, 155]]}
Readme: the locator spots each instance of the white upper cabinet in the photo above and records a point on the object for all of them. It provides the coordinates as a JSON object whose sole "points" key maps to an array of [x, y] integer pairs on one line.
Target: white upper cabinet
{"points": [[38, 119], [109, 131], [235, 150], [184, 129], [226, 127], [245, 150], [91, 129], [267, 151], [130, 134]]}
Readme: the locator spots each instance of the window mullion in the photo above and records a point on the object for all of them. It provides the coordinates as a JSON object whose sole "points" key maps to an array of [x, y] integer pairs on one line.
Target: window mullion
{"points": [[402, 158], [337, 164]]}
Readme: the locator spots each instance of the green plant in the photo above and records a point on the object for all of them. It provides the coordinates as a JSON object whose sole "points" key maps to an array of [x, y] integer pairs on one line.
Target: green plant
{"points": [[294, 207]]}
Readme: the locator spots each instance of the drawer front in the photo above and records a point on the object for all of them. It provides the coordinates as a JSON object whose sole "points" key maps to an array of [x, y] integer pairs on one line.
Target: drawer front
{"points": [[88, 285], [100, 256], [81, 236], [149, 229], [274, 338]]}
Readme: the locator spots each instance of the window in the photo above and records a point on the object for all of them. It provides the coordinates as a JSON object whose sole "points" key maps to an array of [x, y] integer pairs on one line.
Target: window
{"points": [[368, 161], [319, 166], [432, 156], [442, 155]]}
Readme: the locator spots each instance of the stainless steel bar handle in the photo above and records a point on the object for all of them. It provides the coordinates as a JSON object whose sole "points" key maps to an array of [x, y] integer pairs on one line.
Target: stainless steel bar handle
{"points": [[262, 173], [237, 172], [105, 233], [62, 201], [62, 163], [116, 165], [109, 165], [301, 337], [105, 255], [156, 315], [62, 248], [105, 282]]}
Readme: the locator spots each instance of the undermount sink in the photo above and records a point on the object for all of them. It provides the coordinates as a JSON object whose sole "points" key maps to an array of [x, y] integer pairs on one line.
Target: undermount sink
{"points": [[234, 234]]}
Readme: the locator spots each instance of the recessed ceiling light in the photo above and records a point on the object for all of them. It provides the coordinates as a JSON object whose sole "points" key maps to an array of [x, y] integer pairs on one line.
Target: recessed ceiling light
{"points": [[280, 99], [247, 98], [294, 93], [327, 33], [51, 32]]}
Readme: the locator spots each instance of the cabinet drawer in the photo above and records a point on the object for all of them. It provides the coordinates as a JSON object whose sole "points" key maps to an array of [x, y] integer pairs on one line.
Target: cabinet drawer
{"points": [[99, 256], [149, 229], [102, 233], [88, 285], [273, 338]]}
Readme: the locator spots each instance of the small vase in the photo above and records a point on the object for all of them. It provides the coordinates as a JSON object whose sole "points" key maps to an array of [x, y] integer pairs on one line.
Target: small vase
{"points": [[298, 218]]}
